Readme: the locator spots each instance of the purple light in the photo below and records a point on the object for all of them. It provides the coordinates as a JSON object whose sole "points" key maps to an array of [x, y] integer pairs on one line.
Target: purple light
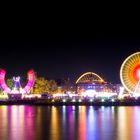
{"points": [[2, 81], [26, 89]]}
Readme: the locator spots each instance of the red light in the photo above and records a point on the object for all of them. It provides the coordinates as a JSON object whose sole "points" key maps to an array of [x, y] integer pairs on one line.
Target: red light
{"points": [[136, 73]]}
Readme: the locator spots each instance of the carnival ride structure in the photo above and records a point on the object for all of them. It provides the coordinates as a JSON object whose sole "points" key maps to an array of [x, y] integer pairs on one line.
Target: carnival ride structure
{"points": [[130, 74], [91, 84], [17, 89]]}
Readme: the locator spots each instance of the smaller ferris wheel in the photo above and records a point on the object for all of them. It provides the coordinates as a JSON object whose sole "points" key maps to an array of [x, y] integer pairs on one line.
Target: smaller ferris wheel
{"points": [[130, 74]]}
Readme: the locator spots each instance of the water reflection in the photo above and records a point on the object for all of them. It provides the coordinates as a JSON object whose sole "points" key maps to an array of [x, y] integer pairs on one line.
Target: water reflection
{"points": [[69, 123], [54, 123]]}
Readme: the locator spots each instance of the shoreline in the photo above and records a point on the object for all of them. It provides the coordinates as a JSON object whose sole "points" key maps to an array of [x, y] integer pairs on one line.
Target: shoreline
{"points": [[60, 103]]}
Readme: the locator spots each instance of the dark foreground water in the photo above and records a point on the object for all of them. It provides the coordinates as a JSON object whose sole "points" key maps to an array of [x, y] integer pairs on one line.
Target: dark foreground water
{"points": [[69, 123]]}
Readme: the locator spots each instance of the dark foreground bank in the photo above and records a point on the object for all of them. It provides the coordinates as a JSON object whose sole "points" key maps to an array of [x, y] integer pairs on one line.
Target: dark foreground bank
{"points": [[61, 102]]}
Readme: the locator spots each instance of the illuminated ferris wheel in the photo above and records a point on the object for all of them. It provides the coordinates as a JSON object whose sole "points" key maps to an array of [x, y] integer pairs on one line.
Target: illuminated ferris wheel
{"points": [[130, 74]]}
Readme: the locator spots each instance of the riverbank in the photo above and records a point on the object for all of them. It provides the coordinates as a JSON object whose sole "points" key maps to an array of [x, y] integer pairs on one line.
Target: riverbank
{"points": [[67, 103]]}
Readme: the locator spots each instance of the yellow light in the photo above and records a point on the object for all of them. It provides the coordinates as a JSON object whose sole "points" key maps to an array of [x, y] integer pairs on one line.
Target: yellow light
{"points": [[73, 100], [64, 100], [101, 80]]}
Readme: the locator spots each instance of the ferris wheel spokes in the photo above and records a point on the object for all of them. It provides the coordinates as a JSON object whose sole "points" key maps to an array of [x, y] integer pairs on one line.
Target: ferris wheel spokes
{"points": [[130, 74], [135, 93]]}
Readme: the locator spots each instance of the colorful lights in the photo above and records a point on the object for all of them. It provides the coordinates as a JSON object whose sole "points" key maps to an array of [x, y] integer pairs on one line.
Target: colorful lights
{"points": [[3, 97], [130, 73], [90, 86], [86, 77], [17, 89], [121, 92], [58, 95], [31, 96], [136, 72], [89, 93], [30, 83], [83, 98], [106, 94], [136, 95], [2, 81]]}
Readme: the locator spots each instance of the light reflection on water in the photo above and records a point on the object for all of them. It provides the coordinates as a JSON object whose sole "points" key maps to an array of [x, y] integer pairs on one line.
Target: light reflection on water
{"points": [[69, 123]]}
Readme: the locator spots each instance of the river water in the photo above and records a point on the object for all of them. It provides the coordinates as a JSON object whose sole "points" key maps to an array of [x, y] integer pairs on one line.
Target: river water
{"points": [[69, 123]]}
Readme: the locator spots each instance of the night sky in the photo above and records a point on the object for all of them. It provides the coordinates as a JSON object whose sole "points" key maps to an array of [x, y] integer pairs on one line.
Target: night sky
{"points": [[66, 48]]}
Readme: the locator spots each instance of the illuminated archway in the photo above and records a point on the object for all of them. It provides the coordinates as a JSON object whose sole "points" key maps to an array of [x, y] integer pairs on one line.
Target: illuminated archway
{"points": [[89, 77], [90, 82]]}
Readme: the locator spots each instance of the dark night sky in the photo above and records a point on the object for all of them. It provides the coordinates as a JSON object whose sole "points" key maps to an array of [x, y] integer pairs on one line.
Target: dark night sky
{"points": [[66, 47]]}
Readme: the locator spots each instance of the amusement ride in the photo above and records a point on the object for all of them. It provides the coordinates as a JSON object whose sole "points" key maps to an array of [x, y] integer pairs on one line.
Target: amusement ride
{"points": [[16, 88], [91, 84], [88, 85], [130, 74]]}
